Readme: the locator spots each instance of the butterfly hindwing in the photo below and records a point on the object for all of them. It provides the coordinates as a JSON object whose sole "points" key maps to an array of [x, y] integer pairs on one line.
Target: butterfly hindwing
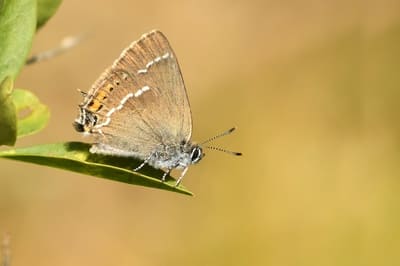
{"points": [[140, 101]]}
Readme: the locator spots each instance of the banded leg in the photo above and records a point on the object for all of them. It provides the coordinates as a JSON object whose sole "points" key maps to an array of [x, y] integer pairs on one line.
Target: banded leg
{"points": [[142, 164], [181, 177], [165, 174]]}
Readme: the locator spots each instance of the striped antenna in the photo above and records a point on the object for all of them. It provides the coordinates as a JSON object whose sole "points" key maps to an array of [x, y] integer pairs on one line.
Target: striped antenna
{"points": [[229, 131], [223, 150]]}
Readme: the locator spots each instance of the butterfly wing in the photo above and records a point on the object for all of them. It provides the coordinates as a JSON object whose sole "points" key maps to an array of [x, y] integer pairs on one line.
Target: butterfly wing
{"points": [[140, 102]]}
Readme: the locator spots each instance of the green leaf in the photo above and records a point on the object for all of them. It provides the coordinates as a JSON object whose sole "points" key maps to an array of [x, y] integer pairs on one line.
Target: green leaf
{"points": [[32, 114], [75, 156], [17, 27], [45, 10], [8, 116]]}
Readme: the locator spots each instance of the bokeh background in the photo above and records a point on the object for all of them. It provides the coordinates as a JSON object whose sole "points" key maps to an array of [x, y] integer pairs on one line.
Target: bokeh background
{"points": [[314, 88]]}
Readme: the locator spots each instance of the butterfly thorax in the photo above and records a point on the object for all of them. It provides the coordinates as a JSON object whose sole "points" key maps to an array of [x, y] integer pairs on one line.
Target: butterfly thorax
{"points": [[176, 156]]}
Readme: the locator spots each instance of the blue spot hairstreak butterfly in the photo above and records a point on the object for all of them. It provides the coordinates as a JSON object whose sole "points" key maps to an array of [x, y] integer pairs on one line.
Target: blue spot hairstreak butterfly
{"points": [[139, 108]]}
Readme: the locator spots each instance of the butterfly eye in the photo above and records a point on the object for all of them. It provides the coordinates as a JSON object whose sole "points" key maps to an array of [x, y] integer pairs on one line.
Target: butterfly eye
{"points": [[196, 154]]}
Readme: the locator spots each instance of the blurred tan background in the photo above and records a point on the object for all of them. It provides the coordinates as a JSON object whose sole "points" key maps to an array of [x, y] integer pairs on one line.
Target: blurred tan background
{"points": [[313, 87]]}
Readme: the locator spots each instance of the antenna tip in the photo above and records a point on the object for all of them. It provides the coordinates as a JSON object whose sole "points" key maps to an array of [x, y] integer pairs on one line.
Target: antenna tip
{"points": [[238, 153], [232, 129]]}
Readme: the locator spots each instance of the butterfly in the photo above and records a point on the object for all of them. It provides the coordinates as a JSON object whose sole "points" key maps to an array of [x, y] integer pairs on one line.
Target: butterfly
{"points": [[139, 108]]}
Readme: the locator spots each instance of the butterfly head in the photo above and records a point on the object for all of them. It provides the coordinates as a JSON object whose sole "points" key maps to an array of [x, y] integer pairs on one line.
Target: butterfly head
{"points": [[188, 153], [196, 154], [193, 153]]}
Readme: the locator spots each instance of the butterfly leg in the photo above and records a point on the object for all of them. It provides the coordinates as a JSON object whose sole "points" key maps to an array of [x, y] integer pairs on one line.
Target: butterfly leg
{"points": [[165, 174], [142, 164], [181, 177]]}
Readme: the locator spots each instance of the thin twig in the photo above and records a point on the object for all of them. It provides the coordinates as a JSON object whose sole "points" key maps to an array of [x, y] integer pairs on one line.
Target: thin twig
{"points": [[6, 251], [66, 44]]}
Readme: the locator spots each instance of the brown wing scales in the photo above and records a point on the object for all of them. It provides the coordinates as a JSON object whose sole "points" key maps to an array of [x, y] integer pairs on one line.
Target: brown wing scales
{"points": [[140, 101]]}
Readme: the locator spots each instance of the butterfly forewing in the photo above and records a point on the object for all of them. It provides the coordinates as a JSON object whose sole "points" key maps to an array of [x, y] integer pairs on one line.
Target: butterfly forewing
{"points": [[140, 101]]}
